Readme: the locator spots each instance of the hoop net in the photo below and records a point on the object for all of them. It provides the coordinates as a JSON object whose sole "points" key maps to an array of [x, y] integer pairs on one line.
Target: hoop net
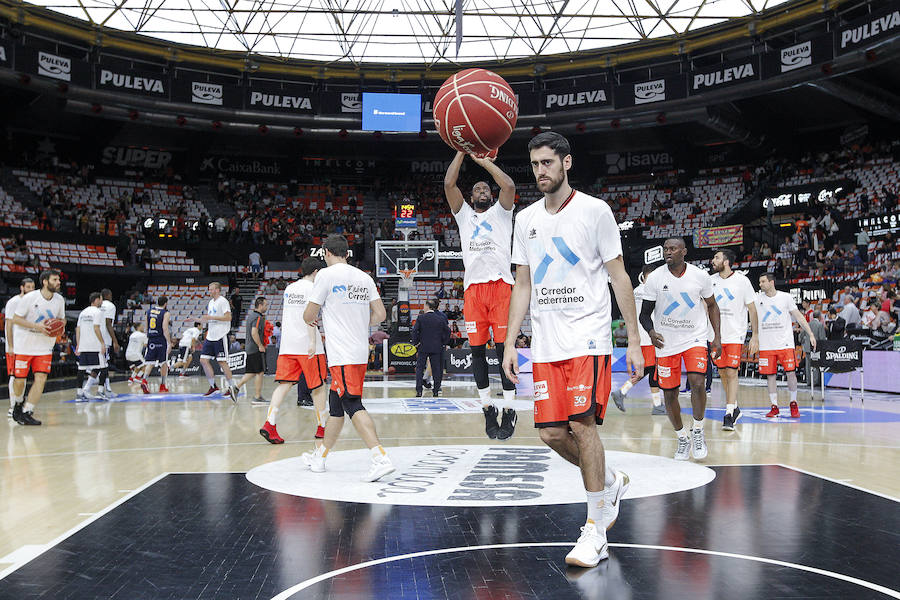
{"points": [[406, 278]]}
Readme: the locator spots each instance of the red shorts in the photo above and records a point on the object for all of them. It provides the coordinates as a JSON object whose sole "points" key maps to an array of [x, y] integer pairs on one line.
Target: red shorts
{"points": [[347, 380], [290, 366], [486, 307], [37, 364], [769, 359], [567, 390], [10, 363], [731, 356], [668, 368], [649, 353]]}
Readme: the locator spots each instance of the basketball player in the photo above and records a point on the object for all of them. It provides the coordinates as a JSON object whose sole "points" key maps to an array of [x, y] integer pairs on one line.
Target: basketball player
{"points": [[350, 304], [485, 229], [25, 286], [649, 352], [678, 329], [186, 347], [34, 344], [215, 346], [159, 342], [566, 249], [90, 347], [301, 354], [776, 339], [736, 298], [134, 352], [109, 337], [256, 350]]}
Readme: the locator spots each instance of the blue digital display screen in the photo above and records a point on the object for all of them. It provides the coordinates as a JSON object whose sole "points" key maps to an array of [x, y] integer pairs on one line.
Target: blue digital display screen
{"points": [[392, 112]]}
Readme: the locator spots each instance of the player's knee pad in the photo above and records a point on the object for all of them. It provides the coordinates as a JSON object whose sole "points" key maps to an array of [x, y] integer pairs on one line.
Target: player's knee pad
{"points": [[479, 367], [651, 373], [504, 380], [335, 405], [352, 405]]}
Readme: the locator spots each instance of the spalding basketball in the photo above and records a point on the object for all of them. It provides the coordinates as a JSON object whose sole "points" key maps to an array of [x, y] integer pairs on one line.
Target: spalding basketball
{"points": [[475, 111], [55, 327]]}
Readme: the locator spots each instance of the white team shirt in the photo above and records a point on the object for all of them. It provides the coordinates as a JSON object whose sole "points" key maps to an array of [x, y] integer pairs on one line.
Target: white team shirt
{"points": [[9, 312], [109, 312], [638, 304], [680, 315], [294, 330], [733, 295], [136, 342], [187, 338], [36, 309], [87, 337], [217, 329], [344, 293], [775, 321], [567, 254], [485, 243]]}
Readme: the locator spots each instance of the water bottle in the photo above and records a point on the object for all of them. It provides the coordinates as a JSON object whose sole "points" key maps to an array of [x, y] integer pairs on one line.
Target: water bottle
{"points": [[897, 342]]}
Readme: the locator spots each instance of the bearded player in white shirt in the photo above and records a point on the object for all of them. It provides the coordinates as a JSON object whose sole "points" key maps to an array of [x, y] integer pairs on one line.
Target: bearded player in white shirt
{"points": [[736, 299], [25, 286], [567, 250], [674, 316], [776, 339], [485, 229]]}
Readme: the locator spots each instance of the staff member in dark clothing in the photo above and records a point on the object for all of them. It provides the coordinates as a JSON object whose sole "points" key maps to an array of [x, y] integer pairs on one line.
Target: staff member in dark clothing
{"points": [[836, 326], [430, 334], [236, 303], [256, 350]]}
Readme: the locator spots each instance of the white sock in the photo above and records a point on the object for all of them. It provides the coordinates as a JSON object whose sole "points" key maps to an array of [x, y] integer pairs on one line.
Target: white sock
{"points": [[321, 417], [211, 380], [610, 478], [698, 425], [626, 387], [88, 384], [377, 451], [29, 407], [321, 451], [729, 408], [656, 397], [273, 412], [509, 396], [794, 396], [18, 400], [773, 399], [485, 397], [682, 433], [12, 395], [595, 508], [230, 382], [108, 386]]}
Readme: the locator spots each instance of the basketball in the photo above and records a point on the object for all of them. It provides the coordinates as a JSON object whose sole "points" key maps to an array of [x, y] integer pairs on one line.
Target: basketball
{"points": [[475, 111], [55, 327]]}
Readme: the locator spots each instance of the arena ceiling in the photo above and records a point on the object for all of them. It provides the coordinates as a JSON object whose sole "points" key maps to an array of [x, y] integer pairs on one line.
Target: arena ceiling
{"points": [[407, 31]]}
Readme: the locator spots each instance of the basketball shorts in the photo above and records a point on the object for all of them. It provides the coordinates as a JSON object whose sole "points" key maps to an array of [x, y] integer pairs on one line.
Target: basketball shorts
{"points": [[133, 364], [770, 359], [571, 389], [649, 353], [10, 363], [256, 363], [731, 356], [88, 361], [291, 367], [217, 349], [668, 368], [35, 364], [156, 352], [346, 380], [183, 352], [486, 308]]}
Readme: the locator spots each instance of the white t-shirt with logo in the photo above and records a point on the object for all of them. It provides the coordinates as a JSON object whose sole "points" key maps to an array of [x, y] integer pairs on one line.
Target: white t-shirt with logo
{"points": [[37, 309], [776, 330], [344, 293], [485, 239], [216, 330], [87, 337], [135, 350], [9, 312], [109, 312], [187, 338], [733, 295], [680, 315], [294, 330], [567, 253], [638, 304]]}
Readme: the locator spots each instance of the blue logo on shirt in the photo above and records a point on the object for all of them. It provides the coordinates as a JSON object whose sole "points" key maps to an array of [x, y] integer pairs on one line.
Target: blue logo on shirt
{"points": [[339, 289], [769, 313], [674, 304], [477, 232], [570, 260]]}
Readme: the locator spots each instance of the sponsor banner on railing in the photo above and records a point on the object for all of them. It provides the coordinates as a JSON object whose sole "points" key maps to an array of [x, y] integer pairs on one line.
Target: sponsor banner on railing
{"points": [[341, 103], [620, 163], [838, 356], [47, 64], [725, 75], [131, 81], [881, 224], [713, 237], [198, 91], [6, 53], [596, 96], [869, 30], [285, 97], [805, 53], [650, 92]]}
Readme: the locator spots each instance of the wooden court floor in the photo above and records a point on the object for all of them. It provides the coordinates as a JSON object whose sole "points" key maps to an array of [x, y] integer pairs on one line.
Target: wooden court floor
{"points": [[96, 483]]}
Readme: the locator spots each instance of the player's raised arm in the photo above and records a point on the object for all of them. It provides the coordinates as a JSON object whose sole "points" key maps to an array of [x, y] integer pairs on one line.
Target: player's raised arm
{"points": [[454, 196], [507, 196]]}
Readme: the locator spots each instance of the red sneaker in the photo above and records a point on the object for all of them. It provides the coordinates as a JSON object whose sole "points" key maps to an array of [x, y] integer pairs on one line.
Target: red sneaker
{"points": [[320, 432], [269, 432], [131, 380], [163, 388], [773, 412], [795, 411], [144, 387], [212, 390]]}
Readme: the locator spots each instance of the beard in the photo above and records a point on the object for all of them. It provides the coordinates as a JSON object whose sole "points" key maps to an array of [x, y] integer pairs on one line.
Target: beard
{"points": [[553, 185], [483, 204]]}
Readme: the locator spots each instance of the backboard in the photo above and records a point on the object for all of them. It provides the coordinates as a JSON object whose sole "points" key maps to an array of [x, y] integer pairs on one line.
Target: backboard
{"points": [[405, 259]]}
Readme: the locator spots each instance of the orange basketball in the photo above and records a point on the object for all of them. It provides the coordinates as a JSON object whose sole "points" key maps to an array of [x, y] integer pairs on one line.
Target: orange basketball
{"points": [[55, 327], [475, 111]]}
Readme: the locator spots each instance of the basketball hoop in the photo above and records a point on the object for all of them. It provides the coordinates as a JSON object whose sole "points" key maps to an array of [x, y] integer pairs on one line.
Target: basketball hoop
{"points": [[406, 277]]}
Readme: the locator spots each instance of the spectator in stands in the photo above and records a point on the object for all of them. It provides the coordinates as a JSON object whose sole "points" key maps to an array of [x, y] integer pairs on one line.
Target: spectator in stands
{"points": [[620, 335], [376, 347], [850, 314], [276, 334], [888, 325], [237, 303], [441, 293], [455, 335], [765, 251], [234, 346], [869, 319], [862, 244], [819, 333], [281, 284], [835, 326], [270, 287], [787, 250], [255, 263], [770, 212], [458, 287], [523, 341]]}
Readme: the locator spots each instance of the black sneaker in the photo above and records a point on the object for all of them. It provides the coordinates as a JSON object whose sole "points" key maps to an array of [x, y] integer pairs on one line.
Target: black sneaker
{"points": [[491, 427], [436, 393], [427, 384], [305, 401], [17, 413], [418, 394], [730, 420], [28, 419], [507, 424]]}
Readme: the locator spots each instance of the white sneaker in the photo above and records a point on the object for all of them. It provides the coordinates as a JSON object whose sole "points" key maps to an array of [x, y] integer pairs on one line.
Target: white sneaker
{"points": [[316, 463], [612, 496], [380, 467], [684, 448], [307, 457], [590, 548], [698, 444]]}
